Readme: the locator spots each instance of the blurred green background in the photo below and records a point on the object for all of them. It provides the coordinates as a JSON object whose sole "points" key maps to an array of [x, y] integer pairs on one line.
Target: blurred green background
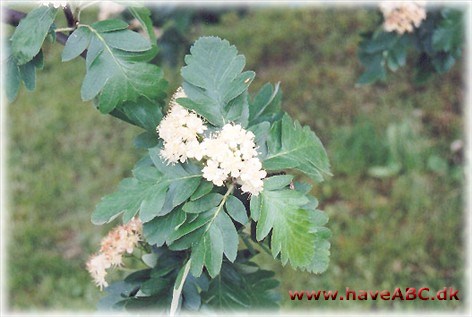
{"points": [[395, 202]]}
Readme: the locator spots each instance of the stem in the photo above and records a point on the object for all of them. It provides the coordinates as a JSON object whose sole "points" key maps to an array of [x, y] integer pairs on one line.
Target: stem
{"points": [[220, 206], [180, 281], [12, 17], [69, 16], [68, 29]]}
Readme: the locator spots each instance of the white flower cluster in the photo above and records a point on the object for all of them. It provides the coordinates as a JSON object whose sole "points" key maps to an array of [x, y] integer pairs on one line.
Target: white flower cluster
{"points": [[55, 4], [402, 17], [179, 130], [230, 152], [119, 241]]}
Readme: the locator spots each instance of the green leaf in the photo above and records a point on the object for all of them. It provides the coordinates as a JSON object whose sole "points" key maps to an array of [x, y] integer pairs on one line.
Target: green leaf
{"points": [[113, 74], [210, 235], [443, 62], [292, 146], [379, 42], [31, 32], [154, 191], [190, 225], [320, 260], [203, 189], [28, 75], [205, 203], [146, 140], [266, 104], [127, 199], [183, 180], [448, 36], [158, 230], [12, 79], [143, 113], [127, 40], [15, 74], [143, 15], [242, 286], [236, 210], [77, 42], [294, 227], [109, 25], [213, 78], [278, 182], [261, 132], [229, 235]]}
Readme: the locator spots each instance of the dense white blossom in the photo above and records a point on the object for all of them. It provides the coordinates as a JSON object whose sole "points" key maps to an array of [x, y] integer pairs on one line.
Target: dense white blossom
{"points": [[402, 17], [119, 241], [228, 153], [179, 130], [232, 153]]}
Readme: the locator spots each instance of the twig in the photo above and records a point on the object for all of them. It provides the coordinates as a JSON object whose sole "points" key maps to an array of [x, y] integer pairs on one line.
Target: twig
{"points": [[71, 22], [12, 17]]}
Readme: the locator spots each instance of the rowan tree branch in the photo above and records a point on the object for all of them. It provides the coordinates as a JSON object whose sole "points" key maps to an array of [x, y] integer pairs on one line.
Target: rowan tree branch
{"points": [[13, 17]]}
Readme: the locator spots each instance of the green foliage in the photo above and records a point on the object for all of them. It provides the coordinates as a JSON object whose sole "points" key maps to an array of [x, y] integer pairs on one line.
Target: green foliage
{"points": [[26, 73], [31, 32], [24, 50], [152, 288], [190, 225], [214, 80], [242, 286], [153, 191], [292, 146], [182, 212], [287, 212], [438, 42], [116, 68]]}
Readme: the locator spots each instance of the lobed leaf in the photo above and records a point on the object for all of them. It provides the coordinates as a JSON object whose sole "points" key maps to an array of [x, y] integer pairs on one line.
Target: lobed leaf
{"points": [[116, 71], [297, 230], [213, 78], [292, 146]]}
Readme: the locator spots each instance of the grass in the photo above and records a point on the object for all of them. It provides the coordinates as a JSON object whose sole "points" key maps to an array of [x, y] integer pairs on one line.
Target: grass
{"points": [[405, 230]]}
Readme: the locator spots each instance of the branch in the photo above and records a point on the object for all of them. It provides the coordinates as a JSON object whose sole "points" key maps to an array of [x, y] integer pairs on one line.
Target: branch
{"points": [[71, 22], [14, 17]]}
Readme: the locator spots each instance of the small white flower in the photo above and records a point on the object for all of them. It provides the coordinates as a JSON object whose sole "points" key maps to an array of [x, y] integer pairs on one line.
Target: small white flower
{"points": [[180, 130], [194, 150], [213, 173], [232, 153]]}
